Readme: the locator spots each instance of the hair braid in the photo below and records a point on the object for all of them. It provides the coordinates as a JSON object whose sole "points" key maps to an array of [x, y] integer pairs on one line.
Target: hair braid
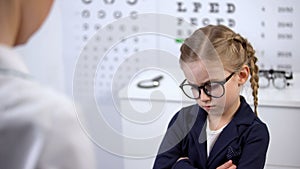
{"points": [[254, 74]]}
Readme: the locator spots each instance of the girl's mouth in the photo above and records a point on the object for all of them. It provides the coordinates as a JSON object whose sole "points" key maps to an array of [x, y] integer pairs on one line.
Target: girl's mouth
{"points": [[208, 107]]}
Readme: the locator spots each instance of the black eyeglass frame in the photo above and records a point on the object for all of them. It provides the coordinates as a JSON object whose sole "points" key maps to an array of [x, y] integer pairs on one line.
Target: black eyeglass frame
{"points": [[270, 75], [222, 83]]}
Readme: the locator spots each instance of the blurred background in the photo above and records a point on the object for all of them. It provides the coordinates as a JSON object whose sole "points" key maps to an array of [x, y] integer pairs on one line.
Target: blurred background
{"points": [[104, 48]]}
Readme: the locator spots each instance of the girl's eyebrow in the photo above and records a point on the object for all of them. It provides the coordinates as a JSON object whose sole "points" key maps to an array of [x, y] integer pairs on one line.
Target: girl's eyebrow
{"points": [[191, 83], [200, 84], [208, 81]]}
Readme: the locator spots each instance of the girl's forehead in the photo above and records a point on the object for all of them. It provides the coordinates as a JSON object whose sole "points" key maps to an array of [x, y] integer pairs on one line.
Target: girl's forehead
{"points": [[199, 72]]}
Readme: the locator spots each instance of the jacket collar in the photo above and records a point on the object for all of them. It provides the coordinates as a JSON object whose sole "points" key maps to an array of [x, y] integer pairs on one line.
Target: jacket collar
{"points": [[243, 116]]}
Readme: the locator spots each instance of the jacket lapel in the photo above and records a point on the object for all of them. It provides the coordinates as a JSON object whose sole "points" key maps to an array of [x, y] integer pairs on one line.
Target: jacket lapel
{"points": [[243, 116], [228, 134], [198, 134], [202, 140]]}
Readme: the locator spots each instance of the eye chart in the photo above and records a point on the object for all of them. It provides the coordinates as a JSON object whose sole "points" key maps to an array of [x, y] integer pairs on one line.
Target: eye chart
{"points": [[270, 26]]}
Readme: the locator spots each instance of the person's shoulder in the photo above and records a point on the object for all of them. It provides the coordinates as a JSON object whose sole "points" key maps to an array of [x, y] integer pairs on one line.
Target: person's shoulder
{"points": [[53, 102], [190, 108], [187, 116], [258, 123], [34, 98], [257, 129], [49, 97], [247, 122]]}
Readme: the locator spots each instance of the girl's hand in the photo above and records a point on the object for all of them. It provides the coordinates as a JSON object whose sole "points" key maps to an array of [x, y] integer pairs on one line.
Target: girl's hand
{"points": [[227, 165], [182, 158]]}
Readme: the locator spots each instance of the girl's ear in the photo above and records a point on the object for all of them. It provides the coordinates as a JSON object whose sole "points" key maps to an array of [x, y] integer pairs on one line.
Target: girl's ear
{"points": [[243, 74]]}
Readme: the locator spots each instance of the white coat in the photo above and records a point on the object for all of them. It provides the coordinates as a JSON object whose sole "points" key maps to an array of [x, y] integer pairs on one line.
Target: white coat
{"points": [[39, 128]]}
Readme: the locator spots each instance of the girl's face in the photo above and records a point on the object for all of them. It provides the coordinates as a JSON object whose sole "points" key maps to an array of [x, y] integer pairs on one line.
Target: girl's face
{"points": [[198, 73]]}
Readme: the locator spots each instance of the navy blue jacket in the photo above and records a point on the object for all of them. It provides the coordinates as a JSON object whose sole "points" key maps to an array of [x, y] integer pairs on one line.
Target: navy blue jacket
{"points": [[244, 140]]}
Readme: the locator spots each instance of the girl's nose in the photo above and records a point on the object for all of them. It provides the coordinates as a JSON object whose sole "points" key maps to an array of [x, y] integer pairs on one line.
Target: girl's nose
{"points": [[203, 96]]}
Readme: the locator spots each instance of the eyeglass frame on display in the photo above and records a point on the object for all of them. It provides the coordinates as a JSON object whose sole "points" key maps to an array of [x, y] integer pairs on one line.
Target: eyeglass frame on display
{"points": [[270, 75]]}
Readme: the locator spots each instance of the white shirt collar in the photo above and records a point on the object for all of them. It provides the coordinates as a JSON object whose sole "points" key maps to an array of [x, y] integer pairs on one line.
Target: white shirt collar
{"points": [[11, 60]]}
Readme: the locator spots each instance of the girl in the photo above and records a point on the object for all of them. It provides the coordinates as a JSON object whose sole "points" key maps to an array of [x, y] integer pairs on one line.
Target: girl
{"points": [[221, 130]]}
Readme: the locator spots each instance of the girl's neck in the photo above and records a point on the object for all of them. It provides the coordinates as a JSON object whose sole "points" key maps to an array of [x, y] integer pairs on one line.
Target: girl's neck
{"points": [[218, 121]]}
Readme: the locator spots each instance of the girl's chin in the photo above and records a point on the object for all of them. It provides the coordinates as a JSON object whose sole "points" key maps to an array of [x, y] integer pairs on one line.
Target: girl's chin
{"points": [[213, 111]]}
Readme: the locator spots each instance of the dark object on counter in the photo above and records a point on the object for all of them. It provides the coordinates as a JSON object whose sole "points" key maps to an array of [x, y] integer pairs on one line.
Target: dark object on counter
{"points": [[151, 83]]}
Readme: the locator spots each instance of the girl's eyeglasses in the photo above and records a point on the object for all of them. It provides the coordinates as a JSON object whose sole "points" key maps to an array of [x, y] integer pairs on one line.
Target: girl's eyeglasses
{"points": [[211, 88]]}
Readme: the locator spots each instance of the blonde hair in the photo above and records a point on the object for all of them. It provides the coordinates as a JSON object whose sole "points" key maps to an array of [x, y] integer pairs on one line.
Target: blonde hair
{"points": [[233, 50]]}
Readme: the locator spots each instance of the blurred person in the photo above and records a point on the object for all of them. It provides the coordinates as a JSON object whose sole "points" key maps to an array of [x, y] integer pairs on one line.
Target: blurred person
{"points": [[38, 127]]}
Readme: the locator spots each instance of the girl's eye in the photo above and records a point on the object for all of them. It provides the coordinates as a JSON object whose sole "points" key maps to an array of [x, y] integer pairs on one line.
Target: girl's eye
{"points": [[212, 86], [194, 88]]}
